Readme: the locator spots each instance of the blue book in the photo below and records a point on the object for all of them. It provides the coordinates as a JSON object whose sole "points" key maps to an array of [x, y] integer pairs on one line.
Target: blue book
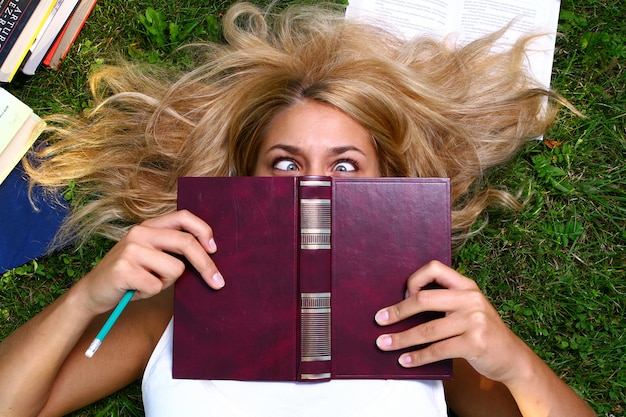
{"points": [[26, 232]]}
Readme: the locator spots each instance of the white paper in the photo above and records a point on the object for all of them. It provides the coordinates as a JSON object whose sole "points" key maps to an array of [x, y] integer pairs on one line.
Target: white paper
{"points": [[467, 20]]}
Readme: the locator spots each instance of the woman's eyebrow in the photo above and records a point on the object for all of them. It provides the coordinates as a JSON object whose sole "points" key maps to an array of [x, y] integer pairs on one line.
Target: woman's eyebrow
{"points": [[343, 149], [338, 150], [287, 148]]}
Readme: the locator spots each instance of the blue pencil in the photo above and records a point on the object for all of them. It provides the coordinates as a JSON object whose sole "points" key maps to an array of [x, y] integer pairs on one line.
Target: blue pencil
{"points": [[93, 347]]}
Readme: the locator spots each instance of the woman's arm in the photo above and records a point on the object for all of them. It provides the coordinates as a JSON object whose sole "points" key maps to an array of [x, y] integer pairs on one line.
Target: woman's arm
{"points": [[42, 364], [473, 330], [31, 357], [44, 370], [471, 394]]}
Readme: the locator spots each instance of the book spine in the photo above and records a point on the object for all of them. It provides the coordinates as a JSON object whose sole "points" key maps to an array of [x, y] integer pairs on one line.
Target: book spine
{"points": [[13, 17], [69, 34], [49, 35], [315, 279]]}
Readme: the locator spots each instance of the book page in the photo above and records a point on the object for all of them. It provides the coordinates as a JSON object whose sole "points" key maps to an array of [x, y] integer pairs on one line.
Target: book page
{"points": [[481, 17], [467, 20], [17, 148], [13, 115], [539, 17], [409, 18]]}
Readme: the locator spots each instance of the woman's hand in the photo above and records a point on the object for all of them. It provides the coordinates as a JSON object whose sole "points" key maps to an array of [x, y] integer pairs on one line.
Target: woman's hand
{"points": [[146, 260], [472, 329]]}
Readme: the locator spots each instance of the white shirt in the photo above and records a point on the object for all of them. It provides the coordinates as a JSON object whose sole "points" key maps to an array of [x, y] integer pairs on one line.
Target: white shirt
{"points": [[168, 397]]}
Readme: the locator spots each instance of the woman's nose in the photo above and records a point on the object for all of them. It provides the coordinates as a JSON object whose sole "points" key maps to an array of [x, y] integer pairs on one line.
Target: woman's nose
{"points": [[315, 170]]}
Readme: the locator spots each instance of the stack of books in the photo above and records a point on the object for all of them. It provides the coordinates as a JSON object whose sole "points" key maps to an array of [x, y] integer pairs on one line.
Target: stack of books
{"points": [[38, 32], [27, 229]]}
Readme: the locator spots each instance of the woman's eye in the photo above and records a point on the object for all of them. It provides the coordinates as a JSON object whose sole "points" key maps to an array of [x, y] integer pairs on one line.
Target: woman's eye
{"points": [[286, 165], [346, 166]]}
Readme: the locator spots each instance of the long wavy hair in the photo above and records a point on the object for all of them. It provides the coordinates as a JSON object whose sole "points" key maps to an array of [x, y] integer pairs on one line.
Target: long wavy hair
{"points": [[432, 110]]}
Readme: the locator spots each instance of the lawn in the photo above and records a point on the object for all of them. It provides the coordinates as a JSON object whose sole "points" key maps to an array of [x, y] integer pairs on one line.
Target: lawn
{"points": [[555, 270]]}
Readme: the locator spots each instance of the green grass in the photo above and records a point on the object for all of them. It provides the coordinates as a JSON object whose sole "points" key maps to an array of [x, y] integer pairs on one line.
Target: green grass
{"points": [[555, 271]]}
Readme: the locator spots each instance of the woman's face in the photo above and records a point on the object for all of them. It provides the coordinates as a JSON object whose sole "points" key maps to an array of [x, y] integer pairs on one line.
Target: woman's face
{"points": [[311, 138]]}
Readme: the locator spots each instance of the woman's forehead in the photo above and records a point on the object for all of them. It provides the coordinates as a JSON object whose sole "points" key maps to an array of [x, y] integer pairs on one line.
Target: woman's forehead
{"points": [[312, 124]]}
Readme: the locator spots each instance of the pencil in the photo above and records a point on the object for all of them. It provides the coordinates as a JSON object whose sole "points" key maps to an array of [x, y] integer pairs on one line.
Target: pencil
{"points": [[93, 347]]}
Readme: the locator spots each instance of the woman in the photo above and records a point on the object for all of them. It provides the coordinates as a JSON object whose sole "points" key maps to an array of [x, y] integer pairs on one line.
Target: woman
{"points": [[301, 93]]}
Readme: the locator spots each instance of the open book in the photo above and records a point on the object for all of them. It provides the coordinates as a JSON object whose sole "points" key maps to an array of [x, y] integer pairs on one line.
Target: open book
{"points": [[20, 127], [467, 20], [26, 229]]}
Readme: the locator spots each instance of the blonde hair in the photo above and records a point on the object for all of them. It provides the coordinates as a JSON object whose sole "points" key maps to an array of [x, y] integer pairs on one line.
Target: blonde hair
{"points": [[432, 110]]}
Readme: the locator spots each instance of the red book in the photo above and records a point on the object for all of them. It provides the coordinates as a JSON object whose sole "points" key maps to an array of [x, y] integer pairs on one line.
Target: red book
{"points": [[68, 34], [308, 261]]}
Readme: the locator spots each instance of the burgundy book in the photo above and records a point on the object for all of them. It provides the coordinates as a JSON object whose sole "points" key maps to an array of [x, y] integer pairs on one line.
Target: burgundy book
{"points": [[307, 261]]}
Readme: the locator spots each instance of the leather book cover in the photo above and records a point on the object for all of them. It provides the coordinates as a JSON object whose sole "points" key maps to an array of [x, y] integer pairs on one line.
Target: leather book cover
{"points": [[382, 230], [247, 330]]}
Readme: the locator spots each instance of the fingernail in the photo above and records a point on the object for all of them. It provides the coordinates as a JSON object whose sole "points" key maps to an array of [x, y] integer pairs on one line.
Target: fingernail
{"points": [[405, 360], [382, 316], [218, 280], [383, 341], [212, 245]]}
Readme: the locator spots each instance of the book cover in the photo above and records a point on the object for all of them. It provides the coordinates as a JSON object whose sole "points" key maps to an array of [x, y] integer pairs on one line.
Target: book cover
{"points": [[13, 17], [22, 45], [26, 230], [294, 278]]}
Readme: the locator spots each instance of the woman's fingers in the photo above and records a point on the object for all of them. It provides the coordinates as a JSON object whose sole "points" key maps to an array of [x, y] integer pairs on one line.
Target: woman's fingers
{"points": [[179, 242], [471, 329], [184, 220], [419, 300], [425, 300], [466, 310], [429, 332], [152, 257], [445, 349], [194, 241], [443, 275]]}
